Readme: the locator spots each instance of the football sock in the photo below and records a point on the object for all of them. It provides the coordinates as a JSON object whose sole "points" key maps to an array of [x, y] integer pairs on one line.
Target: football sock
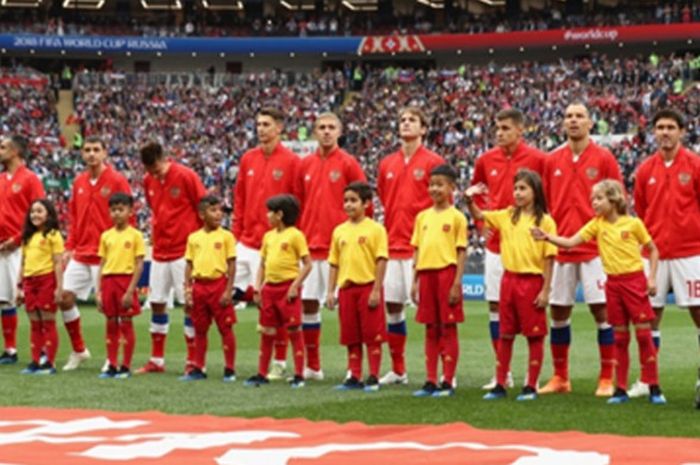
{"points": [[606, 348], [200, 345], [560, 340], [622, 342], [535, 357], [112, 340], [50, 339], [228, 344], [9, 328], [494, 330], [71, 320], [647, 356], [267, 342], [189, 339], [355, 360], [449, 343], [36, 339], [159, 332], [374, 358], [297, 340], [397, 341], [281, 345], [432, 351], [311, 328], [126, 328], [505, 353]]}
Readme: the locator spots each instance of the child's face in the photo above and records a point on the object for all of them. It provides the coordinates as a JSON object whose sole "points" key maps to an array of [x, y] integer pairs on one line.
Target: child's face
{"points": [[440, 188], [523, 194], [120, 214], [38, 214], [274, 218], [212, 215], [353, 205], [600, 202]]}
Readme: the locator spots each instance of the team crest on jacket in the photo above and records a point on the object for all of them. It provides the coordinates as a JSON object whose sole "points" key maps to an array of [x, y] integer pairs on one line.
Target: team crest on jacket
{"points": [[684, 178], [218, 245], [418, 174], [105, 191], [592, 172], [334, 175], [174, 192], [277, 174], [42, 242], [284, 246], [16, 187], [361, 240], [446, 227], [625, 235], [127, 245]]}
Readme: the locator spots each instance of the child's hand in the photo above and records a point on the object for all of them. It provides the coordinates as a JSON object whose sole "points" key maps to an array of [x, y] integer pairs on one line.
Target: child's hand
{"points": [[374, 297], [293, 292], [455, 294], [189, 302], [20, 296], [257, 300], [225, 299], [538, 234], [476, 189], [414, 292], [57, 297], [330, 301], [98, 301], [651, 287], [127, 299], [542, 299]]}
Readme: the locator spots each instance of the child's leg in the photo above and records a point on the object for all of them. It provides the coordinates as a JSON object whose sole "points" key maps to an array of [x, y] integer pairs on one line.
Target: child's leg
{"points": [[622, 342], [36, 335], [647, 354], [536, 356], [228, 339], [297, 339], [449, 344], [112, 340], [355, 360], [201, 328], [267, 342], [432, 351], [374, 358], [50, 336], [505, 353], [126, 327], [281, 345]]}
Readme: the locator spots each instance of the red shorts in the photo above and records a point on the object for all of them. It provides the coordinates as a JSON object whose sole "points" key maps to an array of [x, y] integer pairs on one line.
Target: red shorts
{"points": [[206, 294], [517, 311], [627, 299], [358, 322], [113, 287], [40, 293], [275, 310], [433, 297]]}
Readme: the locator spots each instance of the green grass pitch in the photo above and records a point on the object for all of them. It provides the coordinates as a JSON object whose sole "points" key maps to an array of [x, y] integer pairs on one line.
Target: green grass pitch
{"points": [[579, 410]]}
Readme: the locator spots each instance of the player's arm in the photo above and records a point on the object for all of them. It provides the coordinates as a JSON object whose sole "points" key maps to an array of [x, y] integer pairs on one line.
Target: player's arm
{"points": [[239, 202], [332, 284], [188, 283], [20, 290], [474, 210], [230, 278], [456, 288], [72, 217], [98, 286], [414, 285], [128, 298], [542, 299], [653, 266], [293, 292], [57, 259], [379, 273], [564, 242]]}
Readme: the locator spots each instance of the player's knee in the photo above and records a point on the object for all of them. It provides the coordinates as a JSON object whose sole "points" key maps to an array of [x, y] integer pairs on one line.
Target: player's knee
{"points": [[158, 308], [643, 325], [310, 306], [48, 316], [292, 329], [620, 329], [560, 313], [67, 300], [267, 330], [393, 307], [493, 307], [507, 336]]}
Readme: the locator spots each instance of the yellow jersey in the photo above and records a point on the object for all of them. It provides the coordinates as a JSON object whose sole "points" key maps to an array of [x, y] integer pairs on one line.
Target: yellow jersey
{"points": [[119, 249], [38, 253], [437, 235], [281, 252], [618, 243], [520, 252], [355, 249], [209, 252]]}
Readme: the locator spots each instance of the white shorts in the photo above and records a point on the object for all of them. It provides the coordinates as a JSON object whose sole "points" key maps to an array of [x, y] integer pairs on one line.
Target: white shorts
{"points": [[680, 274], [316, 284], [166, 279], [247, 265], [493, 272], [9, 275], [566, 276], [398, 281], [80, 278]]}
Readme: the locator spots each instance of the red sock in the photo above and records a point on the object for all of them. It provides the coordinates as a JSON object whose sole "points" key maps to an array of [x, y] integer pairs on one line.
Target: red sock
{"points": [[76, 336], [449, 342], [647, 356], [9, 328], [536, 356], [297, 340], [505, 353], [355, 360], [397, 349], [158, 346], [267, 341], [126, 327], [560, 360], [36, 339], [112, 339], [191, 349], [607, 360], [50, 340], [281, 344], [312, 338], [622, 342], [374, 358], [200, 345], [432, 351], [228, 345]]}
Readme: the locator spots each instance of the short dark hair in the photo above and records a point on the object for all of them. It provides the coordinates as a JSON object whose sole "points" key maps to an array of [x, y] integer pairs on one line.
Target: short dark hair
{"points": [[151, 152], [208, 201], [669, 113], [95, 140], [21, 144], [513, 114], [121, 198], [274, 113], [287, 204], [362, 189], [445, 170]]}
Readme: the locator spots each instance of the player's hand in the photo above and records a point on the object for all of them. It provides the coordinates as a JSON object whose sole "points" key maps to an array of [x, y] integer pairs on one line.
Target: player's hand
{"points": [[293, 292], [330, 301], [257, 300], [225, 299], [455, 294], [19, 299], [414, 293], [127, 300], [8, 245], [58, 296], [66, 257], [538, 234], [374, 298], [98, 301], [542, 299], [476, 189], [651, 287]]}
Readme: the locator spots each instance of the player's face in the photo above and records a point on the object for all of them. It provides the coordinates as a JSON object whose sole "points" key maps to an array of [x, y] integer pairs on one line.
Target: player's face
{"points": [[268, 129], [668, 134], [577, 122], [410, 126], [7, 151], [38, 214], [212, 216], [327, 132], [120, 214], [600, 203], [274, 218], [440, 188], [94, 154], [523, 195], [353, 205], [157, 169], [508, 133]]}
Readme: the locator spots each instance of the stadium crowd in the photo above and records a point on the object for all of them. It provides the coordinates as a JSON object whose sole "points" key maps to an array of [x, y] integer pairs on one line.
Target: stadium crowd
{"points": [[420, 21]]}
